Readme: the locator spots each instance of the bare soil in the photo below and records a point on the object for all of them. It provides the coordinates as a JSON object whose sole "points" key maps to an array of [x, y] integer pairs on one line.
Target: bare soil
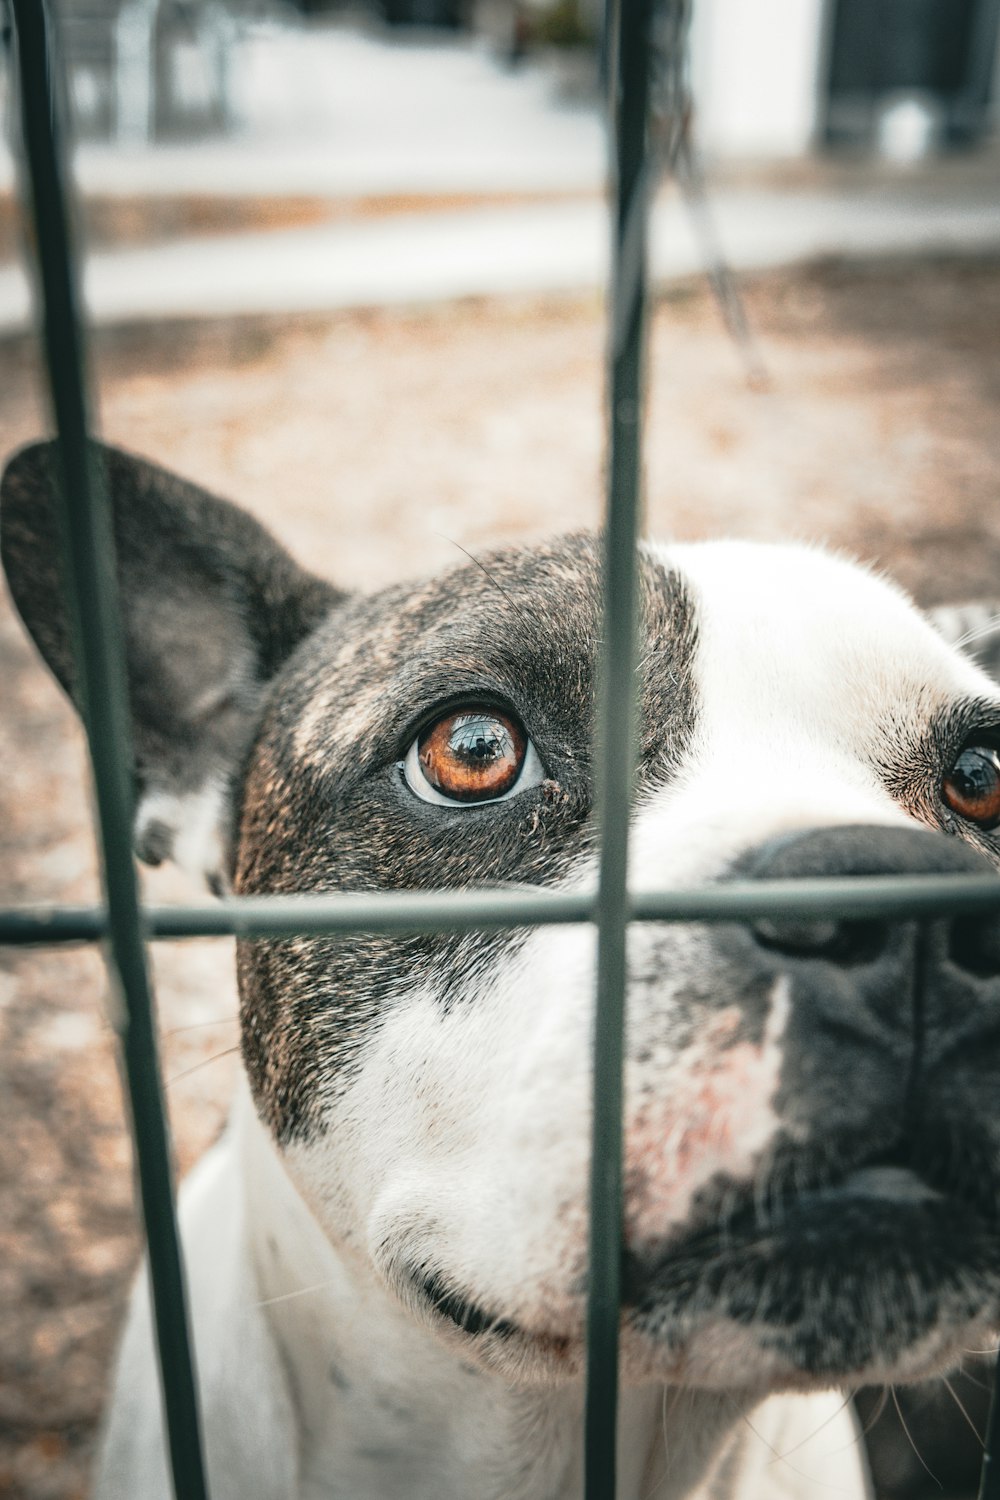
{"points": [[373, 443]]}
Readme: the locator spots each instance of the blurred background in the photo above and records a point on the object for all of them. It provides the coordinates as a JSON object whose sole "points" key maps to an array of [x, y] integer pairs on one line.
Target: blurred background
{"points": [[345, 264]]}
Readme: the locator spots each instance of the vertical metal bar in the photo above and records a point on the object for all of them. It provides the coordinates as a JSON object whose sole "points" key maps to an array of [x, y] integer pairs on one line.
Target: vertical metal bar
{"points": [[629, 74], [92, 586]]}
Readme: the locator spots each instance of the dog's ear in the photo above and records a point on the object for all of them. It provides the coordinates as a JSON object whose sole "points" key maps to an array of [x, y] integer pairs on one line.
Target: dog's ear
{"points": [[975, 629], [211, 607]]}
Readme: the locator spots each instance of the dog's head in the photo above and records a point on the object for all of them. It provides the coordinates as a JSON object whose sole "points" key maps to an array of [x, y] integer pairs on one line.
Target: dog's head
{"points": [[812, 1146]]}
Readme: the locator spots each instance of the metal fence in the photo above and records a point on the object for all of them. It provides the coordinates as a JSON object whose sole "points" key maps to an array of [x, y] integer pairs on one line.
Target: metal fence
{"points": [[126, 925]]}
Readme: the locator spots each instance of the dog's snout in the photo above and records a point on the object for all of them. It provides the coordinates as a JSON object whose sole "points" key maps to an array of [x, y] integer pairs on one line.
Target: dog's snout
{"points": [[974, 941], [859, 849], [844, 943]]}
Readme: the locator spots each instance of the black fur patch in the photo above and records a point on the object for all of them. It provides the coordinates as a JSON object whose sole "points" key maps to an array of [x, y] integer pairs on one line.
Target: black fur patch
{"points": [[325, 807], [916, 762]]}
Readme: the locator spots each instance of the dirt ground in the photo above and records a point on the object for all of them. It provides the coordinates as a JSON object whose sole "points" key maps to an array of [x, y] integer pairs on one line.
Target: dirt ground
{"points": [[374, 443]]}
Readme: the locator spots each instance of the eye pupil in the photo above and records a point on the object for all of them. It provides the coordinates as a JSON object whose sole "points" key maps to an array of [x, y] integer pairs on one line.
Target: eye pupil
{"points": [[972, 786], [480, 741], [473, 755], [974, 774]]}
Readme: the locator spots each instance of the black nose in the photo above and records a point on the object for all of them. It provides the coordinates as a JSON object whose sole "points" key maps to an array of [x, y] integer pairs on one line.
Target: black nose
{"points": [[973, 942]]}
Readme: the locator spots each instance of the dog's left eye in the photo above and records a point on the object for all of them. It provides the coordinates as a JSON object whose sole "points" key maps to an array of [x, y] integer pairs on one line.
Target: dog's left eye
{"points": [[472, 755], [972, 786]]}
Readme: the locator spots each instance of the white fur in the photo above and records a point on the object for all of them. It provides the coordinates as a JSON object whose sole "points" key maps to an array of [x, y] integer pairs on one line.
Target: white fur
{"points": [[248, 1418], [195, 819]]}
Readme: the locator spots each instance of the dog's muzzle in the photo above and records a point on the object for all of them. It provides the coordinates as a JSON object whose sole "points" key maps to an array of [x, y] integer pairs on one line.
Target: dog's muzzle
{"points": [[892, 1023], [878, 1187]]}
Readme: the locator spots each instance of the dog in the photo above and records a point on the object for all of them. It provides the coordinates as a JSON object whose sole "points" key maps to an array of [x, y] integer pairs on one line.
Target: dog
{"points": [[387, 1249]]}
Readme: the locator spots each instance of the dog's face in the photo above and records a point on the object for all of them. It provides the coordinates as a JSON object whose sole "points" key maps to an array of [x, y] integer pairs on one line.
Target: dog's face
{"points": [[812, 1149]]}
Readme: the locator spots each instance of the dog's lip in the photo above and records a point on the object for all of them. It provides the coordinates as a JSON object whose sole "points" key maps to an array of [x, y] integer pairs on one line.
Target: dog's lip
{"points": [[491, 1332], [872, 1210], [879, 1194], [457, 1308], [935, 1167]]}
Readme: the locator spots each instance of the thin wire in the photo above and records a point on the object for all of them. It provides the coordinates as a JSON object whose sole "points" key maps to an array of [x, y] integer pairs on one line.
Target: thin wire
{"points": [[675, 152]]}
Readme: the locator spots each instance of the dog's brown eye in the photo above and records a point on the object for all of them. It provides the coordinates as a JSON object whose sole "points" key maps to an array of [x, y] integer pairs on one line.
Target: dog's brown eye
{"points": [[972, 786], [473, 755]]}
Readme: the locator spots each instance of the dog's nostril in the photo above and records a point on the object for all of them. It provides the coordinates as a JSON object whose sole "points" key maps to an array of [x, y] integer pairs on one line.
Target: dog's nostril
{"points": [[843, 943], [795, 935], [974, 946]]}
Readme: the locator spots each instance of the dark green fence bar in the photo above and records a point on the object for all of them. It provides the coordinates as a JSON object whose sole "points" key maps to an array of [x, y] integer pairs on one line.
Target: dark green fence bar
{"points": [[628, 73], [100, 674], [857, 898]]}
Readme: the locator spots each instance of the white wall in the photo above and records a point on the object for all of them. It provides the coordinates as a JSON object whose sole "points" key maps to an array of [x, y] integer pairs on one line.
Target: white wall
{"points": [[755, 68]]}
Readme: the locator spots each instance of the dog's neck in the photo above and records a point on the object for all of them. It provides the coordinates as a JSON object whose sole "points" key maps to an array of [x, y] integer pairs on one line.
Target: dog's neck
{"points": [[385, 1409]]}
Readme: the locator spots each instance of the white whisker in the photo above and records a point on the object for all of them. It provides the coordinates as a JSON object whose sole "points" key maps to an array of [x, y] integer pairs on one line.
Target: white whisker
{"points": [[977, 632], [958, 1402], [825, 1423], [302, 1291], [203, 1063], [229, 1020], [909, 1437]]}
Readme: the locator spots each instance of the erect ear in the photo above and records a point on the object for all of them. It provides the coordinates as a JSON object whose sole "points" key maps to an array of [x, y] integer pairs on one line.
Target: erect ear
{"points": [[211, 605], [974, 628]]}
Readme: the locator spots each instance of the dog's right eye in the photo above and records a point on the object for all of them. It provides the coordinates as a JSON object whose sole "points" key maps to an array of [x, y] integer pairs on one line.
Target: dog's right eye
{"points": [[471, 756], [972, 786]]}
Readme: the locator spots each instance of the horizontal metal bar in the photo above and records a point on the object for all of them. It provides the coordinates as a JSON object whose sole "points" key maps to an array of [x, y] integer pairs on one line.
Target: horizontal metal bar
{"points": [[856, 898]]}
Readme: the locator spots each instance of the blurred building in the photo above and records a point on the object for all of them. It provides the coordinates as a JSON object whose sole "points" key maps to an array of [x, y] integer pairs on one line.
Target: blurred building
{"points": [[776, 78], [769, 78], [141, 69]]}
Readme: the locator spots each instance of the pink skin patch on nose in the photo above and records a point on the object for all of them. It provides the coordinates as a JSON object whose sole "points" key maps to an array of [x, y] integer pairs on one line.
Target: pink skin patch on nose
{"points": [[713, 1113]]}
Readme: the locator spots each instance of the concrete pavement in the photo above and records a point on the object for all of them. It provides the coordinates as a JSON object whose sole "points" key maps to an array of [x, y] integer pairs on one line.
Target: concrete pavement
{"points": [[546, 247], [338, 116]]}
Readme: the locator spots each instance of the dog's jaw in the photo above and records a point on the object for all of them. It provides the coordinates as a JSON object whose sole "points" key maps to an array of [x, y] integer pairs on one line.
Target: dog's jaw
{"points": [[387, 1408]]}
